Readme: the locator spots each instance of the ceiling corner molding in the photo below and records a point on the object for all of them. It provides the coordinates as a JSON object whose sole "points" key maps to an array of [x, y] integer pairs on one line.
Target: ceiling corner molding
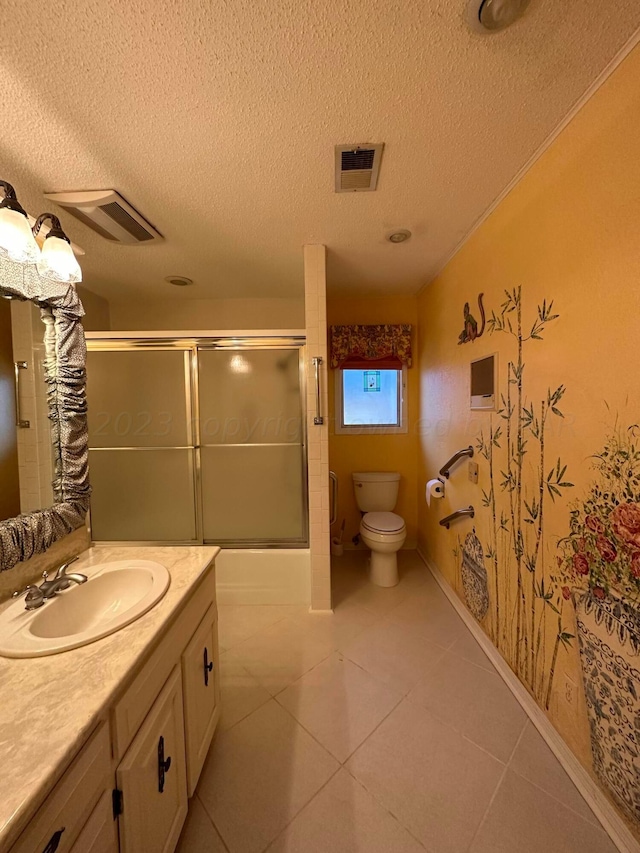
{"points": [[555, 133]]}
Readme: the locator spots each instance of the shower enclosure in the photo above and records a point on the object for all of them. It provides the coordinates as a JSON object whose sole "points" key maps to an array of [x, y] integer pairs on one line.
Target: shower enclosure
{"points": [[198, 441]]}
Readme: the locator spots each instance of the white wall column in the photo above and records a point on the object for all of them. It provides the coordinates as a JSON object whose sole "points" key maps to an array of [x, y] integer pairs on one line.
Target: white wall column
{"points": [[318, 435]]}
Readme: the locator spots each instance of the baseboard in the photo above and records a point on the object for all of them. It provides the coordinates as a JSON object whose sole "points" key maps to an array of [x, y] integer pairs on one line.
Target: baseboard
{"points": [[606, 813]]}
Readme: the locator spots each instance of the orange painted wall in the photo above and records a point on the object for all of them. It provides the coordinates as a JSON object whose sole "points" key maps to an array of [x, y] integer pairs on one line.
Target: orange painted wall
{"points": [[348, 453], [568, 232]]}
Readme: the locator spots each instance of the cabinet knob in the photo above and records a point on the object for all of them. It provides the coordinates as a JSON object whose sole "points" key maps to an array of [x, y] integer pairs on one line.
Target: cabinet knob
{"points": [[208, 666], [163, 764]]}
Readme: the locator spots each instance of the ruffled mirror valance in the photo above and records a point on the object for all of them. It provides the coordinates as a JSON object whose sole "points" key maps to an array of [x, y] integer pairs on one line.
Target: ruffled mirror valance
{"points": [[358, 346]]}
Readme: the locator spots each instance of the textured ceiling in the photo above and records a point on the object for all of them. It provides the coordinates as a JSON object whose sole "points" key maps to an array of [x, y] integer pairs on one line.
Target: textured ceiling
{"points": [[217, 120]]}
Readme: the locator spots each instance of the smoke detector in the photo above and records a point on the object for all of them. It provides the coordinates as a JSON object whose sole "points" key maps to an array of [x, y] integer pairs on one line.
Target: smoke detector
{"points": [[109, 214], [491, 16], [179, 280], [357, 167]]}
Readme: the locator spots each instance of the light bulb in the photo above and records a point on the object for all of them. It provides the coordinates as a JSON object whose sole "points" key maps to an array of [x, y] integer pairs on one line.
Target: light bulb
{"points": [[58, 262], [239, 364], [16, 240]]}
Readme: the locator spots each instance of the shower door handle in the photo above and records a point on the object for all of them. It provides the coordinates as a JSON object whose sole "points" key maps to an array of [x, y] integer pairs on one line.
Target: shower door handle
{"points": [[17, 367], [318, 419], [334, 497]]}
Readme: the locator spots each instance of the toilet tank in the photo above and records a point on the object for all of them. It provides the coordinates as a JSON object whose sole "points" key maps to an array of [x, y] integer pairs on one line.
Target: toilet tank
{"points": [[376, 491]]}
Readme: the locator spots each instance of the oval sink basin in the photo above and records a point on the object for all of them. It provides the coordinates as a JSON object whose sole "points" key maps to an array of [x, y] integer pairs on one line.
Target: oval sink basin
{"points": [[114, 595]]}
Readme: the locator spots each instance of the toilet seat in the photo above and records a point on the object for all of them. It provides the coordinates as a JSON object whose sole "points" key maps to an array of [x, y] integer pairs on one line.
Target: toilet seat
{"points": [[383, 522]]}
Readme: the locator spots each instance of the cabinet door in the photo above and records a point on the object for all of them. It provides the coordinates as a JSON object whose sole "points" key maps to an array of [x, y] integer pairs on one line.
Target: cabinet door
{"points": [[100, 833], [59, 821], [201, 686], [152, 777]]}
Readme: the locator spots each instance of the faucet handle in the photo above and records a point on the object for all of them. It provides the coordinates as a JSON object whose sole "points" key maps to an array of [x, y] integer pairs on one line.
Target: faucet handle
{"points": [[20, 592], [62, 571]]}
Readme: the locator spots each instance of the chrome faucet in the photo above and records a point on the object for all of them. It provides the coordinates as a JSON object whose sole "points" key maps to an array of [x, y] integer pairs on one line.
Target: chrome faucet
{"points": [[37, 595]]}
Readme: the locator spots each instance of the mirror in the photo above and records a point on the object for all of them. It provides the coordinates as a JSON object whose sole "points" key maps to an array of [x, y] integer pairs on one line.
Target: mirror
{"points": [[26, 453], [9, 470], [63, 404]]}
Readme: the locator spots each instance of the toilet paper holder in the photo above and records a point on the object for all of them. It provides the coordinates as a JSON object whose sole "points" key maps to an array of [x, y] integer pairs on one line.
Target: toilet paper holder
{"points": [[434, 489]]}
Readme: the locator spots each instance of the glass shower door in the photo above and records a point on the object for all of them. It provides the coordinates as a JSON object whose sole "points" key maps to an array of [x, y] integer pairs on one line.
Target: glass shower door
{"points": [[142, 451], [252, 454]]}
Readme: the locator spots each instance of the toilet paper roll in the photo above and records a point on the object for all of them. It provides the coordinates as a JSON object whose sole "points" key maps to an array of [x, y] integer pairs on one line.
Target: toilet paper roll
{"points": [[435, 489]]}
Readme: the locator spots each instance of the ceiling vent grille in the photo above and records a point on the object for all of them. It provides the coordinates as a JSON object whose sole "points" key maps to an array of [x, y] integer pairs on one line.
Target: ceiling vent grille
{"points": [[357, 167], [107, 213]]}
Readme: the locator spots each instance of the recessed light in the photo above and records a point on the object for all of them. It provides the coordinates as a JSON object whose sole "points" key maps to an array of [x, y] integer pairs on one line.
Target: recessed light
{"points": [[179, 280], [491, 16], [399, 236]]}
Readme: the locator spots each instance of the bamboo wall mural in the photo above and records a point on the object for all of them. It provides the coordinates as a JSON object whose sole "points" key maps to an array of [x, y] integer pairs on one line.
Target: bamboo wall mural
{"points": [[527, 621], [551, 570]]}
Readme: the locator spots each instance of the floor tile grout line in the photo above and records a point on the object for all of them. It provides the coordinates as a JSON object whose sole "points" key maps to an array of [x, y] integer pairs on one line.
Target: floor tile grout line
{"points": [[382, 805], [306, 730], [306, 803], [248, 714], [301, 809], [461, 734], [212, 822], [596, 822], [306, 672], [490, 668], [497, 788], [355, 749], [377, 678]]}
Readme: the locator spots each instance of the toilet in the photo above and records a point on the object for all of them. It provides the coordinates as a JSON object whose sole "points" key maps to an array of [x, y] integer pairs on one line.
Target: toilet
{"points": [[381, 530]]}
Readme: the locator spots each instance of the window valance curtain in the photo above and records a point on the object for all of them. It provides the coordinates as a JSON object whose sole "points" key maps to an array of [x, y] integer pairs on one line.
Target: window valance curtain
{"points": [[362, 347]]}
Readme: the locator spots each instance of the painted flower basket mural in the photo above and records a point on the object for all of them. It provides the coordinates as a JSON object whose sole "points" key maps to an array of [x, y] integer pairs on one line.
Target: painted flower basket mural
{"points": [[600, 559], [527, 604]]}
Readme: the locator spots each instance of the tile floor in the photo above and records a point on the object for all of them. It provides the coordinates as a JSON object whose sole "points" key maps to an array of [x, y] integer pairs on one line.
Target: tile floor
{"points": [[382, 728]]}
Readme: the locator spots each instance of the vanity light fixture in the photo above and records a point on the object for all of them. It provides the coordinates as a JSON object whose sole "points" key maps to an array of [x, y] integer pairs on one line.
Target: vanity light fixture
{"points": [[18, 241], [57, 260]]}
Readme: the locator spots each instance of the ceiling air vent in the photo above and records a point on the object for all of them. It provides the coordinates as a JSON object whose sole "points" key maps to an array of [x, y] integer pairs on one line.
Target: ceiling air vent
{"points": [[107, 213], [357, 167]]}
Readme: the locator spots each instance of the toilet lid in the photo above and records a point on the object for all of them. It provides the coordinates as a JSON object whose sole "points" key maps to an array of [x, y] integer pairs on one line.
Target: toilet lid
{"points": [[383, 522]]}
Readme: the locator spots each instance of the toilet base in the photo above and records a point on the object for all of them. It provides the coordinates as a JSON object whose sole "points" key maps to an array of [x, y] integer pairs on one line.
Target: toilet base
{"points": [[383, 569]]}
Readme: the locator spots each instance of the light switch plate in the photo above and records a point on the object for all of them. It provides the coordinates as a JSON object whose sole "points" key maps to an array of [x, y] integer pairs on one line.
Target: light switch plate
{"points": [[473, 471]]}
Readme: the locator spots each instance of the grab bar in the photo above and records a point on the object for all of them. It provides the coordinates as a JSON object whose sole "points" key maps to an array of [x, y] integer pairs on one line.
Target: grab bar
{"points": [[459, 513], [466, 451], [334, 497], [17, 367], [318, 419]]}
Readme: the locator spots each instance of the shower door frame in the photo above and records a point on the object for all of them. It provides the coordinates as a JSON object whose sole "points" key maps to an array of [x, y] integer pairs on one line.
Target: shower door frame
{"points": [[190, 344]]}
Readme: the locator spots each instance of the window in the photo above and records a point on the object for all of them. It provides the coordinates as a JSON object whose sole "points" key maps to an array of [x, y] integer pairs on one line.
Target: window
{"points": [[371, 401]]}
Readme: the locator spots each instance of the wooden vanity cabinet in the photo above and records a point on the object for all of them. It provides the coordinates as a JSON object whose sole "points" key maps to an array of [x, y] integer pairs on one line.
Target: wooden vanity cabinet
{"points": [[127, 790], [153, 777], [100, 833], [201, 691], [75, 802]]}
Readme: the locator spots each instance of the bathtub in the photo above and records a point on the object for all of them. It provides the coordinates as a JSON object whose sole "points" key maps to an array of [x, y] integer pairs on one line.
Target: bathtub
{"points": [[264, 576]]}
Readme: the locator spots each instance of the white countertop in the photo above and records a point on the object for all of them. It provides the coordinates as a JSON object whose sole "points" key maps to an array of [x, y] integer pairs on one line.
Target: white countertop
{"points": [[50, 705]]}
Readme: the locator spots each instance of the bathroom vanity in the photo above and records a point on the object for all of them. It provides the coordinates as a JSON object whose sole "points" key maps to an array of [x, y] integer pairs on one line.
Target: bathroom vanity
{"points": [[102, 746]]}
